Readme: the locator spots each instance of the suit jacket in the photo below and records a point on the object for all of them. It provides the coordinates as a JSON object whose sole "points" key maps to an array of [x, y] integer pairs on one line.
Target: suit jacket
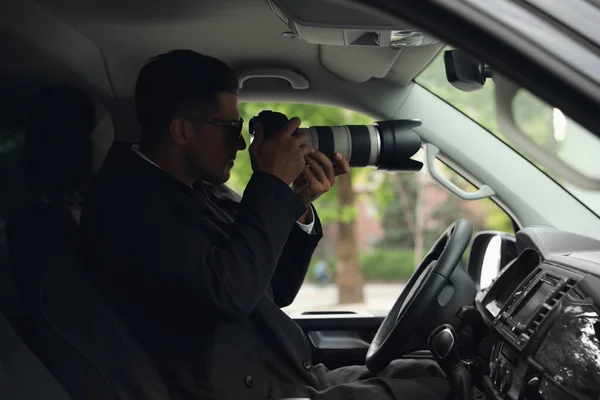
{"points": [[200, 276]]}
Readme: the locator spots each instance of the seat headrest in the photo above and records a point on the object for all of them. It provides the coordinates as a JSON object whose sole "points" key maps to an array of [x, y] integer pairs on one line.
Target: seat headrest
{"points": [[57, 154]]}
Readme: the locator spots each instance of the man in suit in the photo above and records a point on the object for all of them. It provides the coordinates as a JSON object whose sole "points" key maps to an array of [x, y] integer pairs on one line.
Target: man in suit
{"points": [[199, 273]]}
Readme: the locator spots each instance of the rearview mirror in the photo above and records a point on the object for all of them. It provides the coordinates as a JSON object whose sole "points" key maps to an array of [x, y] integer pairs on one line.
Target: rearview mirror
{"points": [[464, 72], [490, 252]]}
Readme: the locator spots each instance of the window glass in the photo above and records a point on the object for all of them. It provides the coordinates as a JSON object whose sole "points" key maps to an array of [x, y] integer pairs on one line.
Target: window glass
{"points": [[370, 248], [547, 126]]}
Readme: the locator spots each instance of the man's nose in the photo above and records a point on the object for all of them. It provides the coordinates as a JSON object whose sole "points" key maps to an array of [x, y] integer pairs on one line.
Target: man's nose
{"points": [[240, 144]]}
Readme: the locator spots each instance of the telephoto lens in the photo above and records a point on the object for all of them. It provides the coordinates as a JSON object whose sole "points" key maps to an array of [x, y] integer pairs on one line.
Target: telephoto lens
{"points": [[387, 145]]}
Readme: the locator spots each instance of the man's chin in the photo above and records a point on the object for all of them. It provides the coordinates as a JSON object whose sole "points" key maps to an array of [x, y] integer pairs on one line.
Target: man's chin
{"points": [[221, 178], [215, 179]]}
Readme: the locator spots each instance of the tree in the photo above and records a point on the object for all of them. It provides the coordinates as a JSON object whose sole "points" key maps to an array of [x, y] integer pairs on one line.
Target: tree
{"points": [[349, 278], [403, 218], [406, 216], [417, 210], [397, 198]]}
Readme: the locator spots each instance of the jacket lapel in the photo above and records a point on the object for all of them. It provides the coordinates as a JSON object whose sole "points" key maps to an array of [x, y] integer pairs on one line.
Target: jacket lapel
{"points": [[194, 210]]}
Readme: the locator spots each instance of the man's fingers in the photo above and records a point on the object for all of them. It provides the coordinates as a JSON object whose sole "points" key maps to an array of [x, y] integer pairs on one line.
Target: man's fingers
{"points": [[326, 164], [342, 166], [310, 177], [318, 170], [304, 151], [301, 138], [290, 127]]}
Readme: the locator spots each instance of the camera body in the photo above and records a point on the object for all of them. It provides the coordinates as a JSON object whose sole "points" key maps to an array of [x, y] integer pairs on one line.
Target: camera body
{"points": [[271, 121], [384, 145]]}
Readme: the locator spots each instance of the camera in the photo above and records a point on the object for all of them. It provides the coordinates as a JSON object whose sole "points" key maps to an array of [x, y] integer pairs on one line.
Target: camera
{"points": [[387, 145]]}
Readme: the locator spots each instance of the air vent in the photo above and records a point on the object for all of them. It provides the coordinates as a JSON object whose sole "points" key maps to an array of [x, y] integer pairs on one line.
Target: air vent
{"points": [[547, 307], [524, 285]]}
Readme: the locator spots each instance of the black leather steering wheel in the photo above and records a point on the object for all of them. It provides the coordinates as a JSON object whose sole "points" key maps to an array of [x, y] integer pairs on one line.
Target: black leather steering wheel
{"points": [[431, 297]]}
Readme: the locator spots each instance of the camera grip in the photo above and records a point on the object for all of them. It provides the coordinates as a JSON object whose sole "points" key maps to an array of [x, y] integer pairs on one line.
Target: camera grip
{"points": [[271, 121]]}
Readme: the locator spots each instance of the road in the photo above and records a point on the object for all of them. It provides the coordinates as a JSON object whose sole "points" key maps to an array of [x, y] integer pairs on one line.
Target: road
{"points": [[378, 296]]}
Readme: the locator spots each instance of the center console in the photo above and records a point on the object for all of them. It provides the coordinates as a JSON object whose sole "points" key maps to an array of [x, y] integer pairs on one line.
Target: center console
{"points": [[546, 336]]}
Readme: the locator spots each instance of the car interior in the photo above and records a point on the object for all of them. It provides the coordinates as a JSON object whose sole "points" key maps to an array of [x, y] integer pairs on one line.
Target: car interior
{"points": [[533, 331]]}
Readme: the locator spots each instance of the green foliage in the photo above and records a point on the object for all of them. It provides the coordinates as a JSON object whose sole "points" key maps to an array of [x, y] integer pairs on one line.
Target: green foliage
{"points": [[347, 214], [496, 218], [385, 195], [389, 265], [396, 195]]}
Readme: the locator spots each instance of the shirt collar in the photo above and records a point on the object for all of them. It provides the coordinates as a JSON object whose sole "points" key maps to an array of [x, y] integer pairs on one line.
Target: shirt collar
{"points": [[136, 149]]}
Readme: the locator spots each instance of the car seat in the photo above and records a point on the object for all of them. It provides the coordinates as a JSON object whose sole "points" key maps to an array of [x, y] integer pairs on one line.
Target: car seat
{"points": [[72, 330]]}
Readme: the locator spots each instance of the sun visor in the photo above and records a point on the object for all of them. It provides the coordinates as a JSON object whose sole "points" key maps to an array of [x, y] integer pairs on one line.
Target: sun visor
{"points": [[358, 64], [346, 24]]}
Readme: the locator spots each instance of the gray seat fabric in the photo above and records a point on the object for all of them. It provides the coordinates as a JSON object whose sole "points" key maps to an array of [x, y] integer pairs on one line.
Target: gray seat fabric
{"points": [[70, 327], [22, 375]]}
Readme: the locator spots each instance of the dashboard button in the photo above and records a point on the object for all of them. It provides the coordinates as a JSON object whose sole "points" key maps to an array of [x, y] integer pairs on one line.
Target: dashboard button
{"points": [[506, 381], [532, 388], [523, 340], [499, 369], [520, 328]]}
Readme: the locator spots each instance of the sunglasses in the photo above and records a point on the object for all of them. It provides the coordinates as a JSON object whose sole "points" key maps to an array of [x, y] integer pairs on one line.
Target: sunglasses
{"points": [[234, 126]]}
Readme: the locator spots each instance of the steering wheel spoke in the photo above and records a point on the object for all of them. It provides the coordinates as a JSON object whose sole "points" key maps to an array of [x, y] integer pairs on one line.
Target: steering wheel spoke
{"points": [[432, 296]]}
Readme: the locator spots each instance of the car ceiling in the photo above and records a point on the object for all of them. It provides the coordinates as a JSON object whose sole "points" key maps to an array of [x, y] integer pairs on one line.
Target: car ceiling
{"points": [[100, 45]]}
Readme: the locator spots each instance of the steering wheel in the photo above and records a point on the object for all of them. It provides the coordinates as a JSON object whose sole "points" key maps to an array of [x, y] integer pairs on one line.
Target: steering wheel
{"points": [[432, 296]]}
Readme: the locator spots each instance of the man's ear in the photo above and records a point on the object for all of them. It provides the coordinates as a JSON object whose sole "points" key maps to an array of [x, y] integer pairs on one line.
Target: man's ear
{"points": [[178, 130]]}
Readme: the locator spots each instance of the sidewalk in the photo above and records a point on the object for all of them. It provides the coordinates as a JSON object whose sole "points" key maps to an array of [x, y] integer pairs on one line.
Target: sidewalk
{"points": [[378, 296]]}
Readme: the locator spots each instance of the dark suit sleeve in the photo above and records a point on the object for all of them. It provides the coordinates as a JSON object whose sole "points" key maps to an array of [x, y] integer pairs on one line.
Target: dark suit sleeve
{"points": [[229, 275], [294, 262]]}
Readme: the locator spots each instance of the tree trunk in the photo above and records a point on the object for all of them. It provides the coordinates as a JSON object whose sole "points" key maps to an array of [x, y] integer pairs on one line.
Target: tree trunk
{"points": [[349, 278]]}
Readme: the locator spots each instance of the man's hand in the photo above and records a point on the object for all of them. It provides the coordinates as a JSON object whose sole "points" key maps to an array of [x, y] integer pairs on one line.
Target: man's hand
{"points": [[281, 155], [318, 176]]}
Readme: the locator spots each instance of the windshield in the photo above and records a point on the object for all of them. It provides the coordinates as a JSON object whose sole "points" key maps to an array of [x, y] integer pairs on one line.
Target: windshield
{"points": [[546, 125]]}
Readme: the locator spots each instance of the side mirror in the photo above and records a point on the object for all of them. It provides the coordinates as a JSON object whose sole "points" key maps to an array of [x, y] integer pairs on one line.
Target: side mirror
{"points": [[490, 251]]}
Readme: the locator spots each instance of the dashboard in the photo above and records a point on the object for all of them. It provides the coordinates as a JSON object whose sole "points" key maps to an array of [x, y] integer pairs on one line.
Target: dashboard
{"points": [[543, 312]]}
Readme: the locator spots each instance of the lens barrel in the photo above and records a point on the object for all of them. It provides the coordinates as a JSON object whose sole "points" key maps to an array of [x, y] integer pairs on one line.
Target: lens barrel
{"points": [[387, 145]]}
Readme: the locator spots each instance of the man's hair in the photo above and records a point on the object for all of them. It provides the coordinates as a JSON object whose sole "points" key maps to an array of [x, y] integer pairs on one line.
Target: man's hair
{"points": [[174, 83]]}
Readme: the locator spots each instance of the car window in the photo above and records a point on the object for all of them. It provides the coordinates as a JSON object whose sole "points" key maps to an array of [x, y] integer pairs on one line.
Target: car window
{"points": [[547, 126], [370, 247]]}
